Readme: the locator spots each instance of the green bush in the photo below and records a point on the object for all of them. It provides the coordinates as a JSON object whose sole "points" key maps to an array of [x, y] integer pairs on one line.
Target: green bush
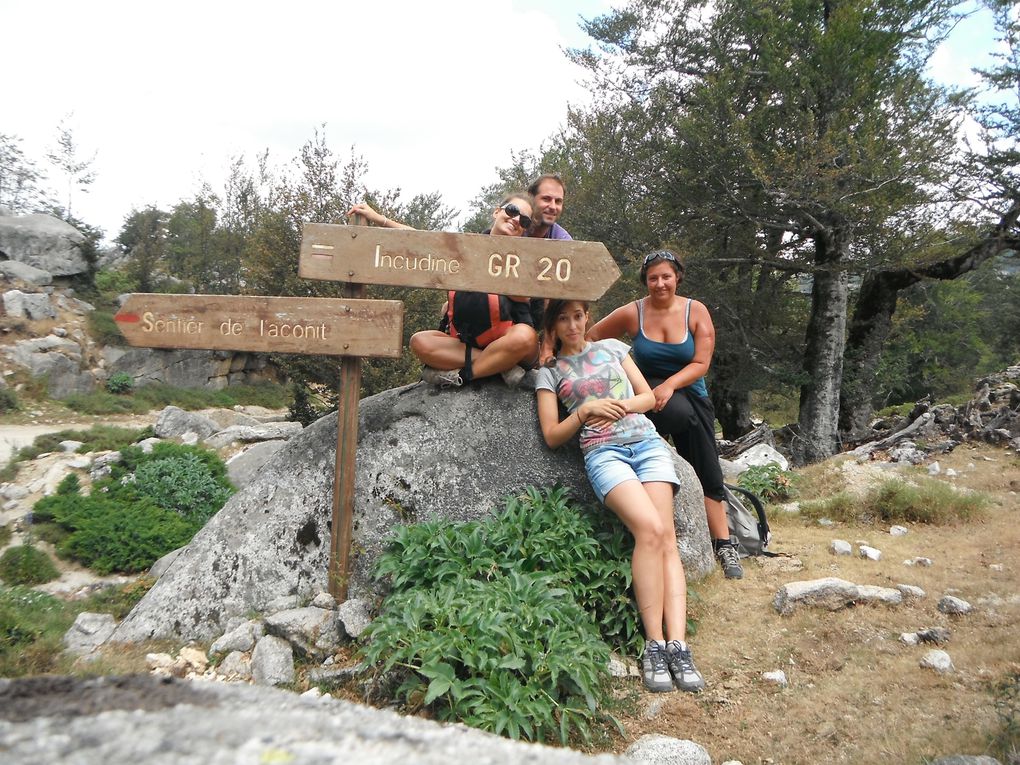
{"points": [[497, 623], [148, 397], [151, 504], [103, 329], [25, 564], [32, 625], [5, 535], [121, 382], [769, 481], [926, 501], [8, 401]]}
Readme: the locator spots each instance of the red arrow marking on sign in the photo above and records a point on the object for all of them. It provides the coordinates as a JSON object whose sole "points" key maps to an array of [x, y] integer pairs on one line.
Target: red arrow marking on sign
{"points": [[127, 317]]}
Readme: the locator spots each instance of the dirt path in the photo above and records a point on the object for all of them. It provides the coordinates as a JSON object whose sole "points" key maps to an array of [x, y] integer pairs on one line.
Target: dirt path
{"points": [[14, 437]]}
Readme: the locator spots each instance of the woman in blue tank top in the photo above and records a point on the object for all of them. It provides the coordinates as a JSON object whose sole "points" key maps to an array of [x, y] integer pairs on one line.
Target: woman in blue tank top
{"points": [[673, 339]]}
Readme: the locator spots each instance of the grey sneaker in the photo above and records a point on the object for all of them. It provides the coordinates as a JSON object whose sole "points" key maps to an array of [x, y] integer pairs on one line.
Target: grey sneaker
{"points": [[654, 670], [729, 559], [513, 376], [444, 378], [681, 667]]}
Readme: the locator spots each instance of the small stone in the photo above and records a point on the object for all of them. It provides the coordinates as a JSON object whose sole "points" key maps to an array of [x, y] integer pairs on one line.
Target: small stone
{"points": [[909, 638], [934, 468], [840, 547], [938, 660], [911, 591], [617, 666], [235, 666], [954, 606], [870, 553], [312, 694], [195, 658], [898, 531], [950, 473], [936, 635], [159, 661], [776, 677], [827, 522], [923, 562], [996, 567], [323, 600], [70, 446]]}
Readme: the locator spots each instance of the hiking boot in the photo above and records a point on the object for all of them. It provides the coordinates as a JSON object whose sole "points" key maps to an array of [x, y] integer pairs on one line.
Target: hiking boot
{"points": [[444, 378], [729, 559], [681, 667], [513, 376], [654, 669]]}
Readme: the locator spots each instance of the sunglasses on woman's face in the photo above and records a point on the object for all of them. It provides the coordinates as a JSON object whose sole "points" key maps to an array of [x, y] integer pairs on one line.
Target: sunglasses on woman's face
{"points": [[513, 211], [660, 255]]}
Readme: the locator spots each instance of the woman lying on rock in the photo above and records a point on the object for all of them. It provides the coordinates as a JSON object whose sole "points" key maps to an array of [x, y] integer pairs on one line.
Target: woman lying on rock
{"points": [[631, 470], [481, 334]]}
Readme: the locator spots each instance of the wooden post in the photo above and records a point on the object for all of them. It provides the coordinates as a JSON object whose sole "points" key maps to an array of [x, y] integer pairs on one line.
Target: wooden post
{"points": [[342, 534]]}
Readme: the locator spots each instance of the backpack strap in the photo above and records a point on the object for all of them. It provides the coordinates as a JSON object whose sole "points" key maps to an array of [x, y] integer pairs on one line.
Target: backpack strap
{"points": [[498, 326]]}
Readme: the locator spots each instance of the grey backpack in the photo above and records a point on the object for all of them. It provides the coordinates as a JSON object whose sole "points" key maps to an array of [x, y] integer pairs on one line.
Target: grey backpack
{"points": [[749, 528]]}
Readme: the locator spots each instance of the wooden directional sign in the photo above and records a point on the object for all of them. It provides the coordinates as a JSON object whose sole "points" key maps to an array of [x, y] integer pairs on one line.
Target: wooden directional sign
{"points": [[505, 265], [330, 326]]}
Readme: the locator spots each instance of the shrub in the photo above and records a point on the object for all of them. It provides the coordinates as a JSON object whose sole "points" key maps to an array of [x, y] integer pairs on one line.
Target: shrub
{"points": [[151, 504], [769, 481], [32, 625], [121, 382], [496, 623], [103, 329], [927, 501], [5, 535], [8, 401], [25, 564]]}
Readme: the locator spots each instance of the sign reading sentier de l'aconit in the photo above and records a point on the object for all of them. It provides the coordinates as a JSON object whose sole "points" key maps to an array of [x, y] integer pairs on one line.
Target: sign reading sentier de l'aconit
{"points": [[441, 260], [328, 326]]}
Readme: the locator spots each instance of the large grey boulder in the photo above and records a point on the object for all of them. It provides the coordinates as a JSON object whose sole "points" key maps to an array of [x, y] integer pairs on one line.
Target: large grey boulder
{"points": [[88, 632], [44, 242], [12, 269], [28, 305], [143, 719], [174, 422], [422, 454]]}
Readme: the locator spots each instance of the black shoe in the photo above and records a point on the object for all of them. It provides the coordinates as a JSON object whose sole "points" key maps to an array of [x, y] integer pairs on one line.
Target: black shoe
{"points": [[729, 559], [681, 667]]}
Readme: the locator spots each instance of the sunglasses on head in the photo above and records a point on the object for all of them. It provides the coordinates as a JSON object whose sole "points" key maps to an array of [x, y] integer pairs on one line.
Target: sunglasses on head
{"points": [[513, 211], [659, 255]]}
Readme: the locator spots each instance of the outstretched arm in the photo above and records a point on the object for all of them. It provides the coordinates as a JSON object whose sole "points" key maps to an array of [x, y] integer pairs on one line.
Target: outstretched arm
{"points": [[373, 216]]}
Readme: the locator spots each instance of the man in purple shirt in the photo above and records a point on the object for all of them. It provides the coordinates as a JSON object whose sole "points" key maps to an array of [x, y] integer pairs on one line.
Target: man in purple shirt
{"points": [[548, 192]]}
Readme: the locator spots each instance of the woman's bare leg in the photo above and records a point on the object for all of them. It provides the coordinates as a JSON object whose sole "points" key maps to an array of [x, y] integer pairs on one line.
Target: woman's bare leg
{"points": [[673, 577]]}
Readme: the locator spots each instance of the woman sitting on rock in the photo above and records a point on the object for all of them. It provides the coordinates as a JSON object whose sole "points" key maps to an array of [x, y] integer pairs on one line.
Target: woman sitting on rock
{"points": [[469, 343], [631, 470]]}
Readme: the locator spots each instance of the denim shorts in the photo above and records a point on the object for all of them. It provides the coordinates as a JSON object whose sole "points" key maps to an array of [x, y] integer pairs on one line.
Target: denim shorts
{"points": [[647, 460]]}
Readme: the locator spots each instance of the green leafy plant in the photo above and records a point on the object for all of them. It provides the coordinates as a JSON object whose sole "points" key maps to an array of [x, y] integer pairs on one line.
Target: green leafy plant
{"points": [[503, 623], [769, 481], [25, 564], [121, 382], [103, 328]]}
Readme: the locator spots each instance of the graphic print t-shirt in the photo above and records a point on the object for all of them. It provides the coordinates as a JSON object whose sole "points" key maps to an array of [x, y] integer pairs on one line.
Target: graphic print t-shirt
{"points": [[597, 372]]}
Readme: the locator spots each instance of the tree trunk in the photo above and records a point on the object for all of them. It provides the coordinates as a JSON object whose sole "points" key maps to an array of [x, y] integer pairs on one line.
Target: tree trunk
{"points": [[823, 352], [876, 304], [732, 403]]}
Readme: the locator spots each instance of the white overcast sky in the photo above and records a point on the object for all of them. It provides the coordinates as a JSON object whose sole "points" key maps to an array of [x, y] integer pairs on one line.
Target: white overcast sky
{"points": [[433, 94]]}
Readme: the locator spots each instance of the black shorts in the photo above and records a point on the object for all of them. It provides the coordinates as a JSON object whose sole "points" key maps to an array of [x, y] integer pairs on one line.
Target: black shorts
{"points": [[689, 421]]}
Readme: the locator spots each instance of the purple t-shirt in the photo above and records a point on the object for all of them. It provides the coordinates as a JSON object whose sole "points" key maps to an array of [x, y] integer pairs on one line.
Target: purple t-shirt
{"points": [[556, 231]]}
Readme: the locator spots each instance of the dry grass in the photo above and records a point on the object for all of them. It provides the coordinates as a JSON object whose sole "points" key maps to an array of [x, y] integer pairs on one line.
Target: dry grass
{"points": [[856, 694]]}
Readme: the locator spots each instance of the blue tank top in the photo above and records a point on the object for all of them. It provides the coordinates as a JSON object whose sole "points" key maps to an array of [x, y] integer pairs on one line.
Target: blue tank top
{"points": [[663, 360]]}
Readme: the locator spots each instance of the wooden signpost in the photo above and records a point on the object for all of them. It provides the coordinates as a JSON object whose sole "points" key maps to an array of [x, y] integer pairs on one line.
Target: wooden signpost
{"points": [[506, 265], [352, 327], [329, 326]]}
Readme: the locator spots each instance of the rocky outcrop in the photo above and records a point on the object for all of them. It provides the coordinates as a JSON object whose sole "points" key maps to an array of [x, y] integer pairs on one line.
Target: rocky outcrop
{"points": [[44, 242], [143, 719], [422, 454], [214, 370]]}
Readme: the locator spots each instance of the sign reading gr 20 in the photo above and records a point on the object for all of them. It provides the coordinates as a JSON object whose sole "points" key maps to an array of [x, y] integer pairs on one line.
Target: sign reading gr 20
{"points": [[501, 264]]}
